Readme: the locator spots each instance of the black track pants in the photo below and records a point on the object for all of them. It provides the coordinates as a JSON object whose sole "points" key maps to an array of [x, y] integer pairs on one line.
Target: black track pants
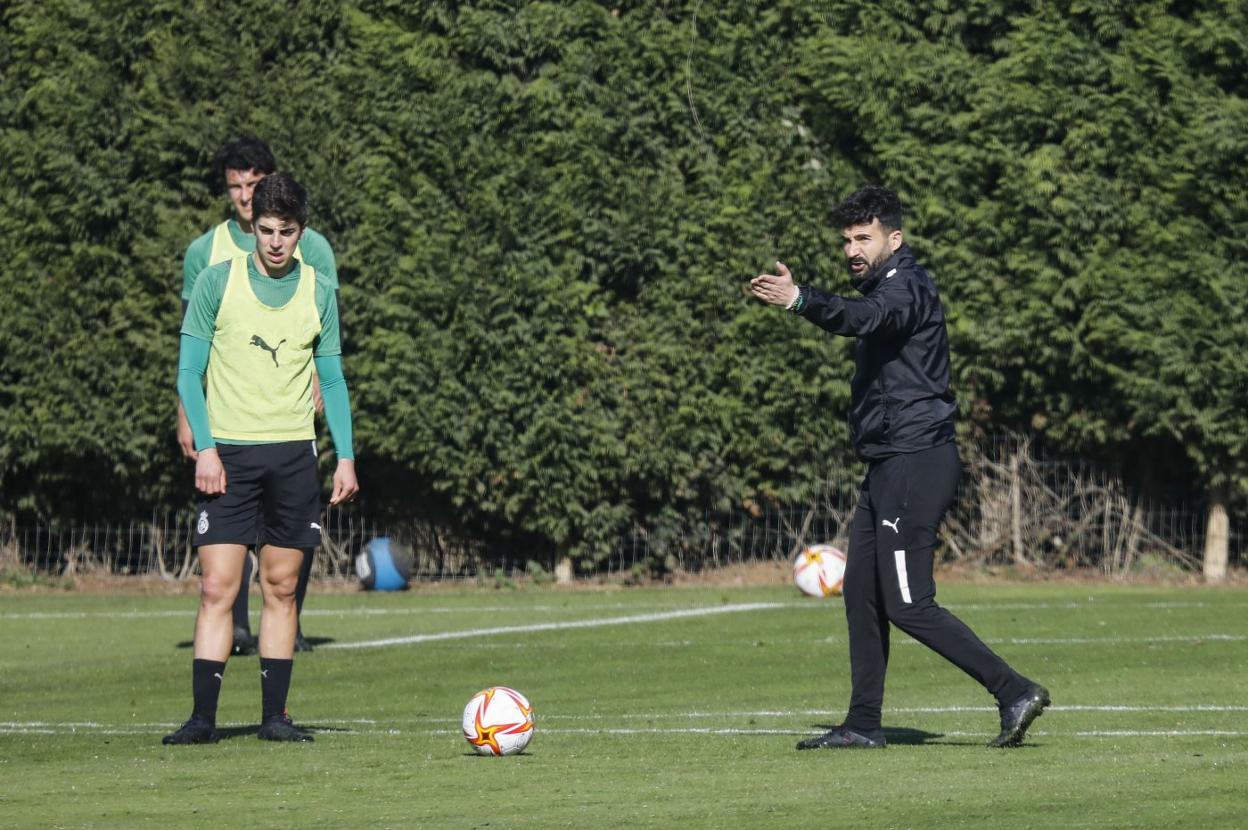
{"points": [[888, 578]]}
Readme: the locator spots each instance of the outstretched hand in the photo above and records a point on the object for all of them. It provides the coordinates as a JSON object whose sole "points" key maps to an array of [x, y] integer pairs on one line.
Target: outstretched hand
{"points": [[775, 289]]}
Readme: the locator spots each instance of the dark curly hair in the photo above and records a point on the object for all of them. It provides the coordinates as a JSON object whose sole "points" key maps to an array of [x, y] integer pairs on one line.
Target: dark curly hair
{"points": [[243, 153], [869, 202], [280, 195]]}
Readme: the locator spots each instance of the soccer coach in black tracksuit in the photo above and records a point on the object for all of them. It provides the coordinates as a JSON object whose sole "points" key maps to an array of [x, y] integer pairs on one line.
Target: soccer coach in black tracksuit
{"points": [[902, 421]]}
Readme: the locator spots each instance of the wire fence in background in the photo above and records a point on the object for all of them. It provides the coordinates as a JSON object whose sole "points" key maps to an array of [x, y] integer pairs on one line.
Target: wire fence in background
{"points": [[1015, 508]]}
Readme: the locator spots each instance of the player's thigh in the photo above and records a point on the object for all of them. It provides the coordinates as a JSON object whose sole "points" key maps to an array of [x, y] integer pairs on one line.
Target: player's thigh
{"points": [[222, 570], [292, 496], [279, 569]]}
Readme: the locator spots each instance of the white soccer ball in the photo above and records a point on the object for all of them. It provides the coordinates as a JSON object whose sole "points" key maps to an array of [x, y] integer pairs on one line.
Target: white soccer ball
{"points": [[819, 571], [498, 721]]}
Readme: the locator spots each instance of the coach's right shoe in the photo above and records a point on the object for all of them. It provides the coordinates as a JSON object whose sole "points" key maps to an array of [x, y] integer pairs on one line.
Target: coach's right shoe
{"points": [[841, 738], [197, 730], [280, 728], [1017, 716], [244, 642], [301, 642]]}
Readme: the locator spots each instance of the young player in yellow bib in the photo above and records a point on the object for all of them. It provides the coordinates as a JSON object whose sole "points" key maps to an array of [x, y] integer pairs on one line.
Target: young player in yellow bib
{"points": [[239, 166], [257, 325]]}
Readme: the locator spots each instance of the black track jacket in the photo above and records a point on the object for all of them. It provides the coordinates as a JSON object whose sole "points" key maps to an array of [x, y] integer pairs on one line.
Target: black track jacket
{"points": [[901, 399]]}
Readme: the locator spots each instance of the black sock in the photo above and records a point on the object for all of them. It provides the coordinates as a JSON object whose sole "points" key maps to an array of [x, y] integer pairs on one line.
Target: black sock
{"points": [[274, 686], [206, 678]]}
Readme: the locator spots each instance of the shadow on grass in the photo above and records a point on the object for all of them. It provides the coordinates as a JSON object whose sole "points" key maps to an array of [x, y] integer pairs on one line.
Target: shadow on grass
{"points": [[905, 736], [228, 733], [312, 641], [525, 754]]}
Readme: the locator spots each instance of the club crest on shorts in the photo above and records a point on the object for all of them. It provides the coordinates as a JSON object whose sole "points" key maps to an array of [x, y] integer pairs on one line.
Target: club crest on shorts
{"points": [[201, 527]]}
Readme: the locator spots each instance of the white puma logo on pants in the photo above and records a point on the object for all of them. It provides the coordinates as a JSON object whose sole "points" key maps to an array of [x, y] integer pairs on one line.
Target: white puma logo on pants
{"points": [[893, 524]]}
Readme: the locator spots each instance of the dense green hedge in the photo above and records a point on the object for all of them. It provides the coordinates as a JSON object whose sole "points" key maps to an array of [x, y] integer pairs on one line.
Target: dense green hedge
{"points": [[545, 214]]}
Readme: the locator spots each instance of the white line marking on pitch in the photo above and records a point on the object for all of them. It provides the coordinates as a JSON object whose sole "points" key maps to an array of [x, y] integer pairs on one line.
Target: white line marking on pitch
{"points": [[319, 612], [1127, 733], [560, 626], [1084, 641], [803, 604], [106, 615], [366, 726], [909, 710], [1157, 733], [17, 729], [1087, 605], [831, 639]]}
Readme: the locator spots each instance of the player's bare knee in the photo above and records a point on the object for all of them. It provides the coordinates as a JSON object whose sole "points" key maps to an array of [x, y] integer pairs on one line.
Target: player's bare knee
{"points": [[217, 593], [280, 591]]}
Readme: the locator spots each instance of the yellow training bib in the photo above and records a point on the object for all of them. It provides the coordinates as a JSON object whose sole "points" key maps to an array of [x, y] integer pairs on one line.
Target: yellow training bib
{"points": [[260, 365]]}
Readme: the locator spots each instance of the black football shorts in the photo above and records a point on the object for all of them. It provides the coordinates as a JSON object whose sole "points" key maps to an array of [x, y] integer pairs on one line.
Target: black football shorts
{"points": [[272, 497]]}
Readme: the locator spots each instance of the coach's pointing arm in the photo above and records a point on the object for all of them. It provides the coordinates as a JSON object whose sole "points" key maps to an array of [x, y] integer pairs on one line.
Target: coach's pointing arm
{"points": [[893, 308]]}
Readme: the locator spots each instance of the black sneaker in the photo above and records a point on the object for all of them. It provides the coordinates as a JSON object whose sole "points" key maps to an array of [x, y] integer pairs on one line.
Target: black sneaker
{"points": [[300, 643], [197, 730], [280, 728], [244, 643], [1017, 716], [842, 738]]}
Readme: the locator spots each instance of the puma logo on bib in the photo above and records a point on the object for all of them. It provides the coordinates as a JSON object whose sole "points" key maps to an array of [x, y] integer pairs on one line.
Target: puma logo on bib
{"points": [[257, 340]]}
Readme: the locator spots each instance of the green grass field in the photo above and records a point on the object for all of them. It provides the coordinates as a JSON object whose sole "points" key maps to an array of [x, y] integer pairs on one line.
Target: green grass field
{"points": [[655, 707]]}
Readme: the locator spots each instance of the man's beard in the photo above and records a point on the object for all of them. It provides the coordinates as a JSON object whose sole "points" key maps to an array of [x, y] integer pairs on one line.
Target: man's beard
{"points": [[873, 267]]}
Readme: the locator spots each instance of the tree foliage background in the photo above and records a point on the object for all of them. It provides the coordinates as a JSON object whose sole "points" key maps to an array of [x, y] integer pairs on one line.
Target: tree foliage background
{"points": [[545, 214]]}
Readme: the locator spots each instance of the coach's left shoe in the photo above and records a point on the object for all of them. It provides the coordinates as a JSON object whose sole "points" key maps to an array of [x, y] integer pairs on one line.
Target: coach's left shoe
{"points": [[301, 644], [280, 728], [1017, 716], [841, 738]]}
